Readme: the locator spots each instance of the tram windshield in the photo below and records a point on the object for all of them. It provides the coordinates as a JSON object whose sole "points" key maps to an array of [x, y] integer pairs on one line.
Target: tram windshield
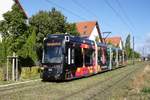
{"points": [[53, 53]]}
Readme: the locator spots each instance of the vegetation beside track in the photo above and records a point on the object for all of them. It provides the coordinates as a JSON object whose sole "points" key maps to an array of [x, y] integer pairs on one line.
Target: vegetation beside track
{"points": [[27, 73], [113, 85]]}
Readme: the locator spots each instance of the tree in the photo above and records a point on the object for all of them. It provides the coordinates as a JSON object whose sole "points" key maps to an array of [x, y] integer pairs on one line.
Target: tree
{"points": [[27, 53], [13, 29], [22, 38], [71, 29], [49, 22], [136, 54], [128, 46]]}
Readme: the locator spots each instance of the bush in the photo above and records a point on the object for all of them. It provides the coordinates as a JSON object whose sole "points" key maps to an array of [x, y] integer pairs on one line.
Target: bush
{"points": [[29, 72], [1, 74], [146, 90]]}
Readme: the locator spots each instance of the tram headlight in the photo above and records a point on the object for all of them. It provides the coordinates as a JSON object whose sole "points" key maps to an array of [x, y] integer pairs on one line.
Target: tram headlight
{"points": [[42, 68], [59, 68]]}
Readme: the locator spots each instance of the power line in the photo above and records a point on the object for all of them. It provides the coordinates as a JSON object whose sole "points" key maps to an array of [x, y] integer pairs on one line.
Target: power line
{"points": [[117, 14], [84, 8], [124, 13], [87, 10], [69, 11]]}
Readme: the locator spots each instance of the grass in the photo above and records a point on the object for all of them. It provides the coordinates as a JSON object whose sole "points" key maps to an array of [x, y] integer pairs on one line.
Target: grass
{"points": [[26, 74], [34, 77], [146, 76], [83, 89], [140, 84], [80, 89], [146, 90]]}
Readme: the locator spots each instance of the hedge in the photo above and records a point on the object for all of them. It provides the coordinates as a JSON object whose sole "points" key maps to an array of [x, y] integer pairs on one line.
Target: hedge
{"points": [[1, 74], [29, 72]]}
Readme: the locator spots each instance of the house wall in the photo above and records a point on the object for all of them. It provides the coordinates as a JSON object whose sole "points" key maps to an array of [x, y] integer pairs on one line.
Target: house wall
{"points": [[94, 34], [5, 6], [120, 45]]}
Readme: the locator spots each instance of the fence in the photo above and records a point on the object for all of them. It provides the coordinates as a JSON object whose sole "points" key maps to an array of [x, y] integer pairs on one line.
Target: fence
{"points": [[6, 72]]}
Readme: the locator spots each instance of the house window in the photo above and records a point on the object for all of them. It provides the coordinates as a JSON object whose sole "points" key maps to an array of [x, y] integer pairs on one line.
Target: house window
{"points": [[85, 27], [84, 32]]}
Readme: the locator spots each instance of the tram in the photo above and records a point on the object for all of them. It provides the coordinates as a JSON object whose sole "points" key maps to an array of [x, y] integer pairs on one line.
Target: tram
{"points": [[67, 57]]}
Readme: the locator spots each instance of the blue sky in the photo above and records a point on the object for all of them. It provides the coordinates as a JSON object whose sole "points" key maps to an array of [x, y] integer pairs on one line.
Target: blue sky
{"points": [[130, 16]]}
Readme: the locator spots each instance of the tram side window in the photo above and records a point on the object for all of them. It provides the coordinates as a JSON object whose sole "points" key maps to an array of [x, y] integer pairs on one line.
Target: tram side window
{"points": [[78, 57], [114, 55], [88, 57], [72, 56], [107, 56], [119, 56], [104, 56], [69, 58], [99, 56]]}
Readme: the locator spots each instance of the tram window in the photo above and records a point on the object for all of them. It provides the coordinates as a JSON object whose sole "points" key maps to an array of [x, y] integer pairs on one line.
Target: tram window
{"points": [[78, 57], [103, 56], [119, 56], [88, 57], [99, 56], [72, 56], [114, 55], [107, 54]]}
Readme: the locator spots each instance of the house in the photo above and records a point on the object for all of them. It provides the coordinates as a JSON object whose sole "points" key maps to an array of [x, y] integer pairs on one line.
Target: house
{"points": [[116, 41], [6, 5], [90, 30]]}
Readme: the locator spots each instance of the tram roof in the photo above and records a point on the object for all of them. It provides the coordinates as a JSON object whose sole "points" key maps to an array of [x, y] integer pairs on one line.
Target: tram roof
{"points": [[71, 38], [113, 47], [101, 44]]}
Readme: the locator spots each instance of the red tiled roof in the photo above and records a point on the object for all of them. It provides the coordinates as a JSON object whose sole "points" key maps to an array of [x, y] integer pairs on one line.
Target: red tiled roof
{"points": [[85, 28], [114, 40]]}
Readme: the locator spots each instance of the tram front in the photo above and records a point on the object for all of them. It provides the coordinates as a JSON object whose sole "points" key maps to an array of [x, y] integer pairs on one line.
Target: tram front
{"points": [[52, 61]]}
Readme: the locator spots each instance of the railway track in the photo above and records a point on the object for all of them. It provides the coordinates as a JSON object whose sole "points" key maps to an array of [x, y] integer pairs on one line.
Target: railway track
{"points": [[48, 90], [103, 88], [105, 91], [14, 87]]}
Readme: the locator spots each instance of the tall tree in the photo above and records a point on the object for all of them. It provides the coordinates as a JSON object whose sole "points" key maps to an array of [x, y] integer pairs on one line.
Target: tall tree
{"points": [[49, 22], [71, 29], [128, 46], [27, 53], [13, 29]]}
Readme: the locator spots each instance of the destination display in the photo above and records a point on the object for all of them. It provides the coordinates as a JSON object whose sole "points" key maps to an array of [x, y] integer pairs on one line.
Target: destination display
{"points": [[54, 44]]}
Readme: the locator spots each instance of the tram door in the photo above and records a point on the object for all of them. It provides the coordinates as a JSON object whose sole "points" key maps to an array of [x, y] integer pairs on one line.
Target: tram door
{"points": [[102, 57]]}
